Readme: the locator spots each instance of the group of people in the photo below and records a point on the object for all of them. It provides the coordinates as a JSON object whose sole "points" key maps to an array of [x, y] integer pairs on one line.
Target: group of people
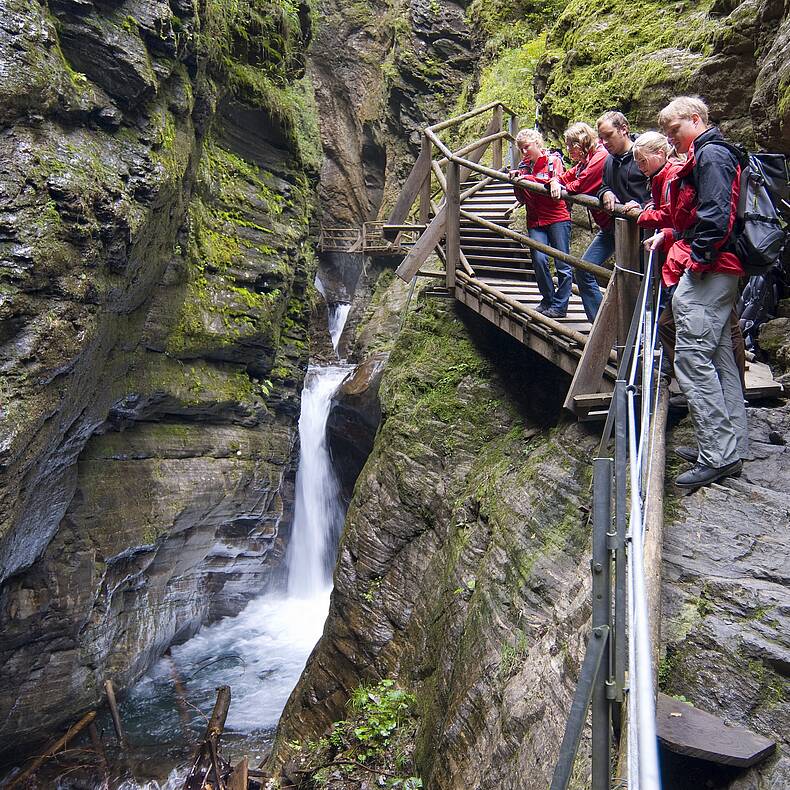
{"points": [[683, 184]]}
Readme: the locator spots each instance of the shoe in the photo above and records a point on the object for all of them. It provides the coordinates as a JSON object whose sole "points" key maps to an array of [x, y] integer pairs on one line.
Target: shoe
{"points": [[701, 475], [542, 307], [552, 312], [687, 453], [678, 403]]}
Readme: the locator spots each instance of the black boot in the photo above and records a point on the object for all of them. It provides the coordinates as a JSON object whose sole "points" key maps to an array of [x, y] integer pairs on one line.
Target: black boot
{"points": [[701, 475]]}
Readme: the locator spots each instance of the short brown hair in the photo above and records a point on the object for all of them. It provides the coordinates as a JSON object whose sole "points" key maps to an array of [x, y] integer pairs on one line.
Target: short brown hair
{"points": [[581, 134], [616, 118], [683, 107]]}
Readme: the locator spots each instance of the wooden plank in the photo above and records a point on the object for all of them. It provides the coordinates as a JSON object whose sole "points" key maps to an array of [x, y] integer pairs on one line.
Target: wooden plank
{"points": [[760, 382], [588, 374], [687, 730], [239, 779], [452, 229], [627, 257], [497, 147], [414, 183], [423, 247]]}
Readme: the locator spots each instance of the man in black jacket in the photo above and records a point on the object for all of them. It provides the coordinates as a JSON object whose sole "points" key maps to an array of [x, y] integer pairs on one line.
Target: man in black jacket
{"points": [[623, 181]]}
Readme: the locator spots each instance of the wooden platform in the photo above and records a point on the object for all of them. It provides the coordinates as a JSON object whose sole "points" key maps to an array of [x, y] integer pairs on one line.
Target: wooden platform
{"points": [[687, 730]]}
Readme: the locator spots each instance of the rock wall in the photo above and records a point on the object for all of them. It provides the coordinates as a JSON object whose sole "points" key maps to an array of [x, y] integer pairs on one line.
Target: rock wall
{"points": [[463, 567], [155, 198]]}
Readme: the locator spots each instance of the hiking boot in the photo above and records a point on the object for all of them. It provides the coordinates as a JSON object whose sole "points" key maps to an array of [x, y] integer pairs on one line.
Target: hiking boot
{"points": [[542, 307], [701, 475], [552, 312], [678, 403], [687, 453]]}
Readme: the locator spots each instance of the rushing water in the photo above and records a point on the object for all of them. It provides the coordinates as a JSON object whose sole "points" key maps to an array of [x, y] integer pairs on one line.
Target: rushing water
{"points": [[261, 652]]}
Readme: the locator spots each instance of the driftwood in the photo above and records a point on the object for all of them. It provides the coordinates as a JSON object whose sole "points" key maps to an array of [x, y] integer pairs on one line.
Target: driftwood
{"points": [[116, 717], [207, 764], [73, 731]]}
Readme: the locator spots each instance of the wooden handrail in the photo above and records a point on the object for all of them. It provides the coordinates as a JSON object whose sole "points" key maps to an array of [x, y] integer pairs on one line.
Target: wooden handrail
{"points": [[476, 144], [579, 263], [437, 127]]}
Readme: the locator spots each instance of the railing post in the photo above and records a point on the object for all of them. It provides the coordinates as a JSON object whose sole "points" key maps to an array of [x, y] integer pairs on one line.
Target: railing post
{"points": [[621, 506], [453, 224], [425, 189], [515, 156], [601, 616], [627, 258], [496, 149]]}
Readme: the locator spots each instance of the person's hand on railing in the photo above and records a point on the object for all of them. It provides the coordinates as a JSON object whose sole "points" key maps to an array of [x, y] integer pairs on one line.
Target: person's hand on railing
{"points": [[555, 188], [608, 200], [654, 242], [633, 208], [513, 174]]}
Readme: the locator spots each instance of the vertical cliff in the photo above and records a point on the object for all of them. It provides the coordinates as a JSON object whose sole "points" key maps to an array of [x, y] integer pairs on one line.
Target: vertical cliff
{"points": [[156, 185]]}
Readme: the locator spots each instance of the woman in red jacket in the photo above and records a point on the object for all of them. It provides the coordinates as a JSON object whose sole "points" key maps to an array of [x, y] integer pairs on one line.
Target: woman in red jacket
{"points": [[585, 178], [547, 221]]}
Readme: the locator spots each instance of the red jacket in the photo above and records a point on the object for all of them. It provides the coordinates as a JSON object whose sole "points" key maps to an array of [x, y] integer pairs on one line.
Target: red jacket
{"points": [[659, 215], [703, 199], [586, 178], [542, 209]]}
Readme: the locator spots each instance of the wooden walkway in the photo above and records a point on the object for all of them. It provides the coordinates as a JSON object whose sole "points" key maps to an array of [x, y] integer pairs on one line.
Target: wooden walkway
{"points": [[488, 264]]}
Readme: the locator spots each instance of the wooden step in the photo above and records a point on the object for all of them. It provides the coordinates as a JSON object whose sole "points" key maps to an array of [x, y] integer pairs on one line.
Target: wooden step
{"points": [[493, 249], [497, 259]]}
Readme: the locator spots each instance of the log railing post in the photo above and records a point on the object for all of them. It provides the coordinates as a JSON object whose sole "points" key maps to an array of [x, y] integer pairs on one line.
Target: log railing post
{"points": [[425, 189], [497, 146], [453, 224], [627, 259], [515, 156]]}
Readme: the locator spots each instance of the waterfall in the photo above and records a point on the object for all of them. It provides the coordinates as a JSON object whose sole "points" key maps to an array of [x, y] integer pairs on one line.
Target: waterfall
{"points": [[337, 315], [261, 652], [318, 514]]}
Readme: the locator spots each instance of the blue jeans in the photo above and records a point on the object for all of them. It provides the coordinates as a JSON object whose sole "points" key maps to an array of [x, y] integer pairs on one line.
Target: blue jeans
{"points": [[601, 249], [558, 235]]}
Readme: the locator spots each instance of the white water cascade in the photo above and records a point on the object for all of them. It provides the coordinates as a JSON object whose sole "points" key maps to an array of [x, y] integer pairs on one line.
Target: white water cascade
{"points": [[261, 652]]}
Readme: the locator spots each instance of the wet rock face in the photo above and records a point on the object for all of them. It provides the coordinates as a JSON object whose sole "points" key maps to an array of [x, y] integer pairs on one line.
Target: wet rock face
{"points": [[354, 419], [726, 607], [154, 269], [463, 567], [399, 69]]}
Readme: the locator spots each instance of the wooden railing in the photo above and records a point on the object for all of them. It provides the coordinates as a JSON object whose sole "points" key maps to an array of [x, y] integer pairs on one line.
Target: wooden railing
{"points": [[443, 221]]}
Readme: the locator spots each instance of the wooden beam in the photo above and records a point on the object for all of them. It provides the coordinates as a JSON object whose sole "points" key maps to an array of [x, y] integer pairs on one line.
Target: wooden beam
{"points": [[589, 372], [423, 247], [514, 152], [628, 259], [414, 186], [426, 153], [654, 526], [497, 144], [453, 224]]}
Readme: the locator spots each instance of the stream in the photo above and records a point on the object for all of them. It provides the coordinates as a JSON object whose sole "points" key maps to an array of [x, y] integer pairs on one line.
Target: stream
{"points": [[262, 651]]}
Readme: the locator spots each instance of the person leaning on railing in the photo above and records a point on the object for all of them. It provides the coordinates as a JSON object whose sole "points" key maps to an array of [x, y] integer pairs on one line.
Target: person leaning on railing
{"points": [[703, 199], [656, 158], [548, 221], [585, 178]]}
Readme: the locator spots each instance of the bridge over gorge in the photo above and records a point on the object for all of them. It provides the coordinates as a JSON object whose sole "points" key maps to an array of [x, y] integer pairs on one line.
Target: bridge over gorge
{"points": [[487, 261], [460, 215]]}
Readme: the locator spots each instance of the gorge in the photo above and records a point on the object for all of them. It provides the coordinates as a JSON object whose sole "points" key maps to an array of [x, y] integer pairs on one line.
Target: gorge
{"points": [[166, 168]]}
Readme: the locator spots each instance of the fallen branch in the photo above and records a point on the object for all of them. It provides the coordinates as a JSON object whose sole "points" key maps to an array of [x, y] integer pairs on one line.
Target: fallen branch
{"points": [[207, 760], [73, 731]]}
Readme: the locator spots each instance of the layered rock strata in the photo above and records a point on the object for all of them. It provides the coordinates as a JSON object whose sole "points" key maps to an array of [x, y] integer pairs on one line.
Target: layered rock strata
{"points": [[155, 197]]}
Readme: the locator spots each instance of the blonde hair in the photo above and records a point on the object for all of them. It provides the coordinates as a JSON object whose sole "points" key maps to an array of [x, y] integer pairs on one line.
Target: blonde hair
{"points": [[616, 118], [683, 107], [652, 143], [581, 134], [529, 136]]}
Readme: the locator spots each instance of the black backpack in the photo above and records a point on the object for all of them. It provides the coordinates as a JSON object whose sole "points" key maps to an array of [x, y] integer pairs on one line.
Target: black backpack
{"points": [[761, 223]]}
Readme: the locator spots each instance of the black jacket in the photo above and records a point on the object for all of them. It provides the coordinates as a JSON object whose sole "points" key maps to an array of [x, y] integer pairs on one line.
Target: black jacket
{"points": [[622, 176], [715, 176]]}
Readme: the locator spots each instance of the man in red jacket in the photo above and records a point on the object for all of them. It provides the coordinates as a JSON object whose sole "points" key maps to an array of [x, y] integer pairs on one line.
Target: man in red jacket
{"points": [[703, 198]]}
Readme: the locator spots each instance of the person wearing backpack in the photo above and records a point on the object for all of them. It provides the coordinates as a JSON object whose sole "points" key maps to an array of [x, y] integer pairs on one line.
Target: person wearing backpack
{"points": [[703, 200]]}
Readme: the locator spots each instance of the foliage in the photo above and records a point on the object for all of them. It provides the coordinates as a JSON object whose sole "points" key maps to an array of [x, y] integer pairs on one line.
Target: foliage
{"points": [[374, 741]]}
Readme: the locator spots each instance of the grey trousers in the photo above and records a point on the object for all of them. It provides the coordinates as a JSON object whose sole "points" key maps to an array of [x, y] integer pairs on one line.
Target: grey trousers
{"points": [[705, 366]]}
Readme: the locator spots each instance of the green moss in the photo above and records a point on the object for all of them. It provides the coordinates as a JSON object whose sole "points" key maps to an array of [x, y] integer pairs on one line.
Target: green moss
{"points": [[772, 687], [604, 53]]}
